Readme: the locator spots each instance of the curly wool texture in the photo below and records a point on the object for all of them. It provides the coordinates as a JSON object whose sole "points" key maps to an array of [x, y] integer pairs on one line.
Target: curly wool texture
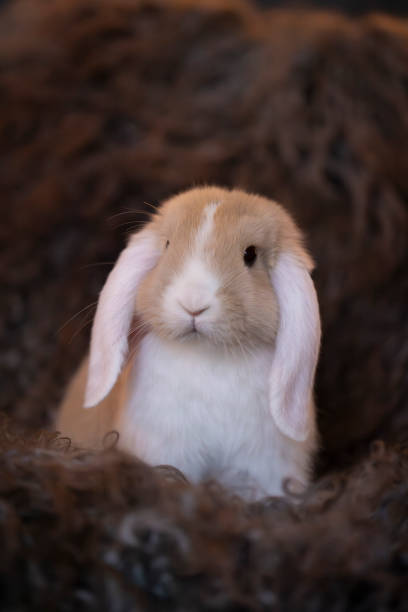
{"points": [[104, 532], [108, 104]]}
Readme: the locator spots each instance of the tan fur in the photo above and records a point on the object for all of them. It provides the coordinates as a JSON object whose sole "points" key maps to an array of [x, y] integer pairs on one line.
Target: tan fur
{"points": [[250, 305], [241, 220], [87, 428]]}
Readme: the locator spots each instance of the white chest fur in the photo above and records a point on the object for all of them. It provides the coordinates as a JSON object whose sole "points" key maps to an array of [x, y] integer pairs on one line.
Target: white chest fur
{"points": [[206, 412]]}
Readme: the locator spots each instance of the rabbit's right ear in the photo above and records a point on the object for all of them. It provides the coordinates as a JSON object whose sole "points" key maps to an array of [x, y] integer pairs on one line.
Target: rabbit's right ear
{"points": [[109, 339]]}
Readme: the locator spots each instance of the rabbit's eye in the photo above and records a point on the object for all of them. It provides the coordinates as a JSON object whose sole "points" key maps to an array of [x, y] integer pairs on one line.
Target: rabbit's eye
{"points": [[167, 244], [250, 256]]}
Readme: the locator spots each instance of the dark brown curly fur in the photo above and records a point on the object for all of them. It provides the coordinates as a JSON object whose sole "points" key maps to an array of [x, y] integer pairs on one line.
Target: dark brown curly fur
{"points": [[108, 104]]}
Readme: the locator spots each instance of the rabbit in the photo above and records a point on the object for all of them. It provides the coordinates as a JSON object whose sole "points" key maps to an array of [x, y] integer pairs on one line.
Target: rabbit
{"points": [[204, 346]]}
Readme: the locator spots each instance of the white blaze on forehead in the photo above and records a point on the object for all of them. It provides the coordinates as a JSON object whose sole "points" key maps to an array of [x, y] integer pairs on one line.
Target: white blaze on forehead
{"points": [[205, 229], [196, 285]]}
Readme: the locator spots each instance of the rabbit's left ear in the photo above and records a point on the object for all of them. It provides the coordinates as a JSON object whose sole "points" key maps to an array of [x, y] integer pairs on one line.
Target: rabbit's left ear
{"points": [[297, 346], [109, 339]]}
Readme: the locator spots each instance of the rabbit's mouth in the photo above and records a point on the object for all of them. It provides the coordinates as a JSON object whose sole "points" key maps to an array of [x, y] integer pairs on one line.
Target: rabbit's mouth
{"points": [[192, 333]]}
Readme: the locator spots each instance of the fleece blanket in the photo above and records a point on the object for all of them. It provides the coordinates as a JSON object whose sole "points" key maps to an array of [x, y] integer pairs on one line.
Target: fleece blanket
{"points": [[107, 107]]}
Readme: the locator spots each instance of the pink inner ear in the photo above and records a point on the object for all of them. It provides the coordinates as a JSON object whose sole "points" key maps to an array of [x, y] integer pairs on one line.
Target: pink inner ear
{"points": [[109, 339], [296, 350]]}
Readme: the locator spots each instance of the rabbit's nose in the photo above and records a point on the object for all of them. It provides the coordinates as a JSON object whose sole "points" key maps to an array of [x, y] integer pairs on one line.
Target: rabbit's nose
{"points": [[194, 313]]}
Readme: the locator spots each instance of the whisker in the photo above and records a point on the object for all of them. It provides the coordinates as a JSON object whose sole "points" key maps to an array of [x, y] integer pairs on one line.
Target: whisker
{"points": [[240, 346], [135, 224], [76, 315], [127, 211], [137, 328], [155, 208], [80, 329], [133, 352]]}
